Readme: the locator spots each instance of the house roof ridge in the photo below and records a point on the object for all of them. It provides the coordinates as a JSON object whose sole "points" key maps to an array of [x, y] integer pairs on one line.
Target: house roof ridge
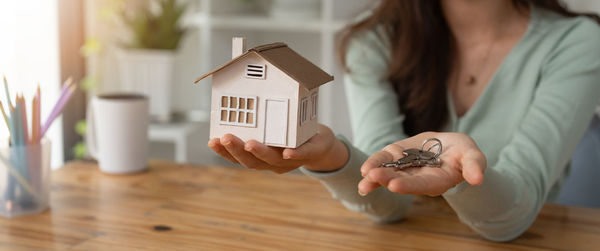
{"points": [[287, 60], [270, 46]]}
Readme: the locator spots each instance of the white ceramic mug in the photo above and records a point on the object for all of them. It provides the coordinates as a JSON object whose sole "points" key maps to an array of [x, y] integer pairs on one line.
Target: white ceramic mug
{"points": [[117, 132]]}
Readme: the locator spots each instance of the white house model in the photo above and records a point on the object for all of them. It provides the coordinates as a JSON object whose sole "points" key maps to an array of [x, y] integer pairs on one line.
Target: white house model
{"points": [[268, 93]]}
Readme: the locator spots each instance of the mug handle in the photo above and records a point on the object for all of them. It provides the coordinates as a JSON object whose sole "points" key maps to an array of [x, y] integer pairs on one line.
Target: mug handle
{"points": [[90, 132]]}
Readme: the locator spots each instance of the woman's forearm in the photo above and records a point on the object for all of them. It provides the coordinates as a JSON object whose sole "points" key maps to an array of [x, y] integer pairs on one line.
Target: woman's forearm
{"points": [[500, 209], [382, 205]]}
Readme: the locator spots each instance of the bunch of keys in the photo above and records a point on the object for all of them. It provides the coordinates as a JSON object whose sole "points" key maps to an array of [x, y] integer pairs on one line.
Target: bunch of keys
{"points": [[418, 157]]}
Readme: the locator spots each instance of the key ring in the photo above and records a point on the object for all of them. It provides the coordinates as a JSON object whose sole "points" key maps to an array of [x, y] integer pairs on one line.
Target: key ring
{"points": [[438, 144]]}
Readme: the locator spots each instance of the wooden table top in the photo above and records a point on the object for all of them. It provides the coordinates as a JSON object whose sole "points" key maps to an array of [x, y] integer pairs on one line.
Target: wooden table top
{"points": [[182, 207]]}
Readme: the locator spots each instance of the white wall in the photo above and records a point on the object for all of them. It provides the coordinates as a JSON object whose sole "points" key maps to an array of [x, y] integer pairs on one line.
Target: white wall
{"points": [[29, 54]]}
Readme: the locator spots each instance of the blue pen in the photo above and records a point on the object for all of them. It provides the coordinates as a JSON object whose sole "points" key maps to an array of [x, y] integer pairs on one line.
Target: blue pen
{"points": [[20, 158], [17, 123], [10, 191], [11, 127]]}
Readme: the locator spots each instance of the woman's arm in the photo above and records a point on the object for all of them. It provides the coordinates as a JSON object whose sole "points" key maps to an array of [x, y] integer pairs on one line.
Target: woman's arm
{"points": [[376, 122]]}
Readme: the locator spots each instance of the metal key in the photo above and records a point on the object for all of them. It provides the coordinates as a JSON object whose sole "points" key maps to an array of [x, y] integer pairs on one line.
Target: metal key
{"points": [[418, 157]]}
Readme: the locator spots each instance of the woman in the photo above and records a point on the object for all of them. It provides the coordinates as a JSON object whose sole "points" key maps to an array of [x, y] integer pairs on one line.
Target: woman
{"points": [[507, 86]]}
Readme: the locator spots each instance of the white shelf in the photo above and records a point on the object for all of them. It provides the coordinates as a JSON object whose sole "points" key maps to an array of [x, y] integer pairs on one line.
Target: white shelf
{"points": [[264, 23], [177, 133]]}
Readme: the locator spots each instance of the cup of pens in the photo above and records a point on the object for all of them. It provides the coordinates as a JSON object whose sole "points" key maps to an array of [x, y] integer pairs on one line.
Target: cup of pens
{"points": [[25, 157], [25, 175]]}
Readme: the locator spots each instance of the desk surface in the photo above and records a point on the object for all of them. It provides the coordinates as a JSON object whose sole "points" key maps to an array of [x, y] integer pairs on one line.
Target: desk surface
{"points": [[172, 207]]}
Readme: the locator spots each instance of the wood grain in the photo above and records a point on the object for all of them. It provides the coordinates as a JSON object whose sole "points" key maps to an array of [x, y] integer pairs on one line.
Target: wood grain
{"points": [[181, 207]]}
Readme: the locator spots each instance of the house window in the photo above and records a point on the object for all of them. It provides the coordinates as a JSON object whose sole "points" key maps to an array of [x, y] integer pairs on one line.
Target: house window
{"points": [[303, 111], [314, 98], [255, 71], [238, 110]]}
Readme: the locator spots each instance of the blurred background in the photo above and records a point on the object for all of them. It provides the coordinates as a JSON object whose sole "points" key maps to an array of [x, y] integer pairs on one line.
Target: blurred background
{"points": [[159, 47], [310, 27]]}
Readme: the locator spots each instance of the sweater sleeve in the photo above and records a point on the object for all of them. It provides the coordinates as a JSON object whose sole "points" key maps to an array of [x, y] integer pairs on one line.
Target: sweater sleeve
{"points": [[376, 122], [516, 187]]}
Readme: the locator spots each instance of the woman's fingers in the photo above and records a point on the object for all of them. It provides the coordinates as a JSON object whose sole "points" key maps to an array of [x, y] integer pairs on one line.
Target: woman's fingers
{"points": [[312, 147], [270, 155], [391, 152], [252, 154], [215, 145], [418, 184], [424, 180], [366, 186], [374, 161], [383, 176], [473, 167], [427, 184], [315, 146], [235, 147], [263, 152]]}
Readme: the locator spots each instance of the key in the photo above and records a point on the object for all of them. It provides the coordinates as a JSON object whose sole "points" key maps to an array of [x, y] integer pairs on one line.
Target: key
{"points": [[418, 157], [414, 158], [419, 153], [407, 161]]}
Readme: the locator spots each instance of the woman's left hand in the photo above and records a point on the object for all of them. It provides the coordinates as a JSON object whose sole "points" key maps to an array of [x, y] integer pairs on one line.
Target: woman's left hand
{"points": [[461, 160]]}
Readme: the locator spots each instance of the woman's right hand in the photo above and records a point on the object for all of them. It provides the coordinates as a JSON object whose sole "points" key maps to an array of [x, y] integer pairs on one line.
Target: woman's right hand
{"points": [[461, 160], [322, 153]]}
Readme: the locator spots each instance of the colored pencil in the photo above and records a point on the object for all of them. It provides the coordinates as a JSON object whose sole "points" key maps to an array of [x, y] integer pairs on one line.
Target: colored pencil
{"points": [[58, 107], [34, 121], [6, 92], [4, 115], [20, 125], [16, 122], [13, 131], [66, 85], [16, 118], [25, 125], [38, 124]]}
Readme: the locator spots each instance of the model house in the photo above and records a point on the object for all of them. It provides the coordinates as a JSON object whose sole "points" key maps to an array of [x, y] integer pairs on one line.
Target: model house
{"points": [[268, 93]]}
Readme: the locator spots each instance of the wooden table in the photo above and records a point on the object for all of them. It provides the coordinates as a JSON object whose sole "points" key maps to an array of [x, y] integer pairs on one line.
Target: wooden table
{"points": [[179, 207]]}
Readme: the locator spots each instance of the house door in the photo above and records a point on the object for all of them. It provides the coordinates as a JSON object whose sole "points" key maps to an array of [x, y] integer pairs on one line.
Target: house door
{"points": [[276, 120]]}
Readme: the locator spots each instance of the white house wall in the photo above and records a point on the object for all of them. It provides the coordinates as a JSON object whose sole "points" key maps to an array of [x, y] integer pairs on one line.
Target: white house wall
{"points": [[232, 81], [309, 128]]}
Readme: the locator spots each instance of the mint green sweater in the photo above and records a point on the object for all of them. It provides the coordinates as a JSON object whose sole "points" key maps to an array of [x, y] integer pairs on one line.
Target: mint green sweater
{"points": [[527, 122]]}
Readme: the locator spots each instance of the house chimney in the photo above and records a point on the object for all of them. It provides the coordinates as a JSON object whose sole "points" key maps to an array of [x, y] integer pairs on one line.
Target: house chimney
{"points": [[238, 46]]}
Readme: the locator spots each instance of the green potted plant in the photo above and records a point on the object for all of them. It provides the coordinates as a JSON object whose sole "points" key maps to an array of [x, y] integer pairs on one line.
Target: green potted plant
{"points": [[146, 61]]}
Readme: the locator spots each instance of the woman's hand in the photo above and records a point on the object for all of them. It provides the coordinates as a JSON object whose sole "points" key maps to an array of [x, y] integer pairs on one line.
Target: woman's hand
{"points": [[461, 160], [323, 152]]}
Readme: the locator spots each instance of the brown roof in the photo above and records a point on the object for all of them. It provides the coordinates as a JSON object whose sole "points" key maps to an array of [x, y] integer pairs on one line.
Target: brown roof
{"points": [[288, 61]]}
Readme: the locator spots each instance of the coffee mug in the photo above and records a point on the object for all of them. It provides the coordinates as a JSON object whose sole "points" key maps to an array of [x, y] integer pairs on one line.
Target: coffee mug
{"points": [[117, 133]]}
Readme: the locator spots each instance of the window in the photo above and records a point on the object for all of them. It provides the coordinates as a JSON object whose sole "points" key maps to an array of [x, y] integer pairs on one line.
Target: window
{"points": [[255, 71], [237, 110], [314, 98], [303, 111]]}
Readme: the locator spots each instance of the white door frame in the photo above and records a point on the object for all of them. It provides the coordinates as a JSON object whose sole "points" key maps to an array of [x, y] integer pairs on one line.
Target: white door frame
{"points": [[287, 118]]}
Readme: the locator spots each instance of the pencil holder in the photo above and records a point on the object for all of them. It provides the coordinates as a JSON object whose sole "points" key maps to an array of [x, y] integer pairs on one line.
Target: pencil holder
{"points": [[24, 179]]}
